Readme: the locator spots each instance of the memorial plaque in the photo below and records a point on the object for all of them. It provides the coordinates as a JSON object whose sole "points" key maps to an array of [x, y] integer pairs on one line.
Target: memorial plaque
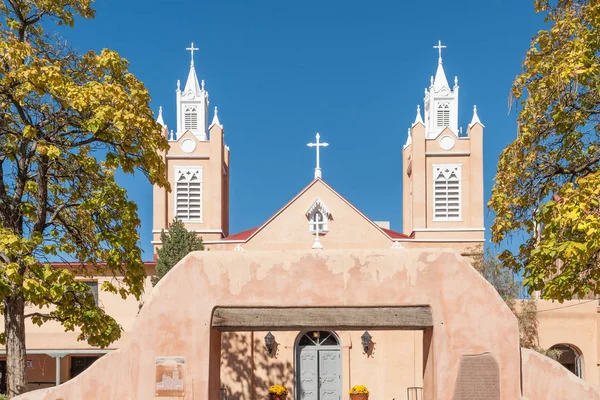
{"points": [[478, 378], [170, 377]]}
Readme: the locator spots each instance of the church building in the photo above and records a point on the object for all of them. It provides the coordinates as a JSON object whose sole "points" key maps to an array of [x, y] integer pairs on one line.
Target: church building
{"points": [[443, 205], [443, 208]]}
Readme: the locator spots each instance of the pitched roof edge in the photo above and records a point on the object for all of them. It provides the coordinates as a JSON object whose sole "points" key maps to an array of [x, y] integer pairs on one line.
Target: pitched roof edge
{"points": [[240, 236]]}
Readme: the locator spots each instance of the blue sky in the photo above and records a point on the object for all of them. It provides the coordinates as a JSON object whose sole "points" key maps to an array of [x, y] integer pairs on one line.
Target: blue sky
{"points": [[352, 70]]}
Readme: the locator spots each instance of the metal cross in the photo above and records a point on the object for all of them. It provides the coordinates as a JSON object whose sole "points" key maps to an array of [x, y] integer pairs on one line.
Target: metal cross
{"points": [[191, 49], [317, 145], [439, 47]]}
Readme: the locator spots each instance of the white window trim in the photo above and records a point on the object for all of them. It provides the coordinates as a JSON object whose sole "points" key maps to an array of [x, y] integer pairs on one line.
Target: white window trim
{"points": [[178, 172], [445, 107], [312, 223], [193, 111], [436, 169], [318, 206]]}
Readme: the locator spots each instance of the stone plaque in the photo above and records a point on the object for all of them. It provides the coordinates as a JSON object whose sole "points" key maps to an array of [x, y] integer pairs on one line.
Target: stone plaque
{"points": [[478, 378], [170, 377]]}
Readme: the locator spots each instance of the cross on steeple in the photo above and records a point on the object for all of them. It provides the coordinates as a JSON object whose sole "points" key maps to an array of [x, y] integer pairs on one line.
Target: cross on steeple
{"points": [[440, 47], [191, 50], [317, 145]]}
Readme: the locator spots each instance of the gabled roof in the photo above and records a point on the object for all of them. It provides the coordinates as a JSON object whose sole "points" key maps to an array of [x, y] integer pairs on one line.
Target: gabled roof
{"points": [[246, 235]]}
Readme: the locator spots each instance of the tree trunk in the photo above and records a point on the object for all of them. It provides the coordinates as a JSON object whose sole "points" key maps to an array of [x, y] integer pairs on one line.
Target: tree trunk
{"points": [[14, 328]]}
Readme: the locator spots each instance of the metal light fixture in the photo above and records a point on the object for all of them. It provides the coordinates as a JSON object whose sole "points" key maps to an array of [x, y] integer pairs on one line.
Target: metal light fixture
{"points": [[269, 341], [365, 339]]}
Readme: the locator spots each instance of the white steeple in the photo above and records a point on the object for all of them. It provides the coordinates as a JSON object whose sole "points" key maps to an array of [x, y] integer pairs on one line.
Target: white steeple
{"points": [[215, 120], [192, 104], [475, 119], [441, 102], [408, 139], [160, 119], [440, 80], [418, 118]]}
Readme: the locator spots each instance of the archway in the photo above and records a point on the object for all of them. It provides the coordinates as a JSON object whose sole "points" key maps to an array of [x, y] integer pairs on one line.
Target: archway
{"points": [[331, 289], [318, 366], [570, 358]]}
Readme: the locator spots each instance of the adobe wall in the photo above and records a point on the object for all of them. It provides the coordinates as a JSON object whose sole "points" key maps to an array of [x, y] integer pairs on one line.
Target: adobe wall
{"points": [[393, 364], [469, 316], [544, 378], [574, 323]]}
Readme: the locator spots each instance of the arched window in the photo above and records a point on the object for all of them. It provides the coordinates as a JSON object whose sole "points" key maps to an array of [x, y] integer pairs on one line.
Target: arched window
{"points": [[190, 118], [318, 221], [318, 217], [318, 338], [570, 357], [443, 115]]}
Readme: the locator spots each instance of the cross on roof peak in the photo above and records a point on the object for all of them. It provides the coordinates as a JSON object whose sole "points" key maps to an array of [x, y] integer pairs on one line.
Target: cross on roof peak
{"points": [[191, 49], [440, 47], [318, 144]]}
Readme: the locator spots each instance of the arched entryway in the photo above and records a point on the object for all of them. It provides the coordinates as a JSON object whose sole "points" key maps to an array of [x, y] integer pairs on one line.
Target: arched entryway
{"points": [[570, 358], [318, 366]]}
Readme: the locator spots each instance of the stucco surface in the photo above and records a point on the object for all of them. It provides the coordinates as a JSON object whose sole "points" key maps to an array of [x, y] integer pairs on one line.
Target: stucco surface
{"points": [[544, 378], [469, 316]]}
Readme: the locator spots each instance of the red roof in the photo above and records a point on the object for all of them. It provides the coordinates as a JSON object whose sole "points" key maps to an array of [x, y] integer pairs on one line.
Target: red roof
{"points": [[395, 235], [241, 235]]}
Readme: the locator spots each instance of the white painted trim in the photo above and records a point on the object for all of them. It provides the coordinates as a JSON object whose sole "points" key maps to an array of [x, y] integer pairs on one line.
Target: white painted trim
{"points": [[458, 169], [447, 153], [188, 156], [222, 241], [439, 240], [448, 229], [200, 171], [194, 230]]}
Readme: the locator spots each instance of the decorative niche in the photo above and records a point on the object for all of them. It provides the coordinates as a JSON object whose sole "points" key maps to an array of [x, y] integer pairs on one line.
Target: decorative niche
{"points": [[318, 216]]}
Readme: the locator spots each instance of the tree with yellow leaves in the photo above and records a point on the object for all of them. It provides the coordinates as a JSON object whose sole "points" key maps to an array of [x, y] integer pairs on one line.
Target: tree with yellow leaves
{"points": [[68, 122], [547, 187]]}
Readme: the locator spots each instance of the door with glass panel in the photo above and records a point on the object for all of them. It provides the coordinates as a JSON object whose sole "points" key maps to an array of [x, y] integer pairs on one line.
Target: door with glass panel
{"points": [[318, 366]]}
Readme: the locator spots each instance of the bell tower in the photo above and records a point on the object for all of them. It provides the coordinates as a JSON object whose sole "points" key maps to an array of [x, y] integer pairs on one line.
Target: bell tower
{"points": [[442, 170], [197, 166]]}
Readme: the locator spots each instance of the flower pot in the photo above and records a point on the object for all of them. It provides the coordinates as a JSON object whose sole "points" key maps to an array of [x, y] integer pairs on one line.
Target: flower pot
{"points": [[277, 396], [359, 396]]}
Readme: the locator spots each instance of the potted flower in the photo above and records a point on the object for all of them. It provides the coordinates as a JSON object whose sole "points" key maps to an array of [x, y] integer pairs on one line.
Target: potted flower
{"points": [[359, 392], [277, 392]]}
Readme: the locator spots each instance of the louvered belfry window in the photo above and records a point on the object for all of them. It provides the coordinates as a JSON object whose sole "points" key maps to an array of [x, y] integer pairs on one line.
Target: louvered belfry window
{"points": [[447, 192], [190, 118], [443, 115], [188, 194]]}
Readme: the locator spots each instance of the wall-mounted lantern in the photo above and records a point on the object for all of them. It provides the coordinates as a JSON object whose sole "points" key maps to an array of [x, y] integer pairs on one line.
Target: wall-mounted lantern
{"points": [[365, 339], [269, 342]]}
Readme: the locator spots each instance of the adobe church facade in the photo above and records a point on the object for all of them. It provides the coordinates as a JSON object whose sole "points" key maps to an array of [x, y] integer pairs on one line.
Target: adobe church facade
{"points": [[401, 313]]}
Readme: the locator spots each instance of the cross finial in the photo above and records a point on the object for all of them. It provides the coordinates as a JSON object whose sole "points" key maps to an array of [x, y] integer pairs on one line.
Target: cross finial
{"points": [[191, 49], [439, 47], [318, 144]]}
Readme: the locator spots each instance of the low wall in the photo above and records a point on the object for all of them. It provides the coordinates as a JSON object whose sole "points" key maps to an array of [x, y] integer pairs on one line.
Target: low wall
{"points": [[544, 378], [469, 317]]}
